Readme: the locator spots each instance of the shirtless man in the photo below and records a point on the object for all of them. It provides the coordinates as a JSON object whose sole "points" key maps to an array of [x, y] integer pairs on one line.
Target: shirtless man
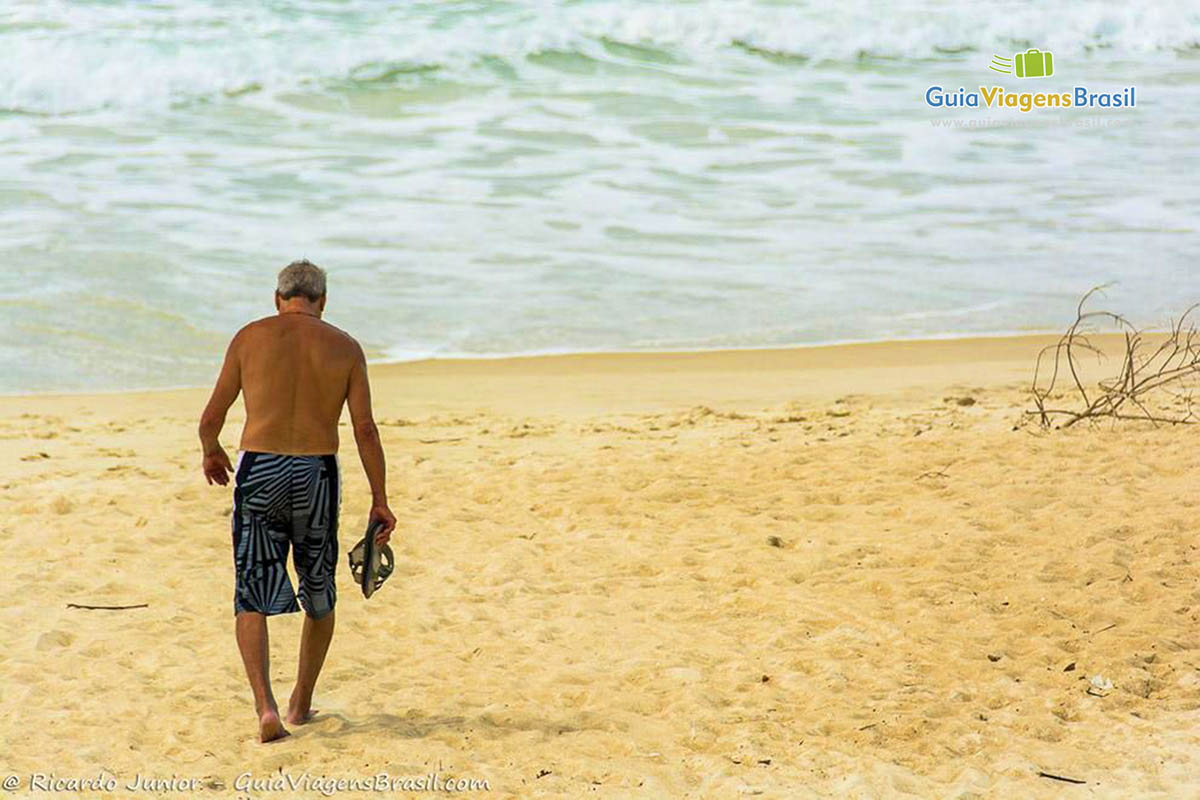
{"points": [[295, 372]]}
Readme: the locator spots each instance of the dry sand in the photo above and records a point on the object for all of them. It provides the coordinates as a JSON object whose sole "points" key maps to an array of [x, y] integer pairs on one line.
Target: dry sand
{"points": [[588, 601]]}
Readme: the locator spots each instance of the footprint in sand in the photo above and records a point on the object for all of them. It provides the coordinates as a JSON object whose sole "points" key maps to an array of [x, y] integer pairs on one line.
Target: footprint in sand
{"points": [[52, 640]]}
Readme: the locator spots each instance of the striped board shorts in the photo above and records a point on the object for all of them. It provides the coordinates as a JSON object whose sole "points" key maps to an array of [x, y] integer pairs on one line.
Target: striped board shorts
{"points": [[283, 502]]}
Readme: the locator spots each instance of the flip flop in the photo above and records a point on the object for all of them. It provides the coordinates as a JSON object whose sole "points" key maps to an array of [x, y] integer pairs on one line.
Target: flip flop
{"points": [[370, 564]]}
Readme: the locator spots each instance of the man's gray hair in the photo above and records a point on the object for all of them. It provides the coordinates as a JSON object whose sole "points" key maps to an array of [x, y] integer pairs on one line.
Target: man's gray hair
{"points": [[302, 278]]}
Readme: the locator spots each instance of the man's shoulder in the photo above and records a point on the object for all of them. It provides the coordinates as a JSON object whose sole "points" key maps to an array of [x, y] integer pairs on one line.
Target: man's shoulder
{"points": [[253, 325], [248, 330], [340, 336], [331, 335]]}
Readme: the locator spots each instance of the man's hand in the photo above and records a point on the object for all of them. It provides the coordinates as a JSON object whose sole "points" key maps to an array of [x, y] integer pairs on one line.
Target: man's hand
{"points": [[381, 513], [217, 467]]}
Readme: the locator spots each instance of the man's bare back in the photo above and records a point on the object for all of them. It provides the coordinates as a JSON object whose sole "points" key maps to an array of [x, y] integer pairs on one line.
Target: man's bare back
{"points": [[295, 372]]}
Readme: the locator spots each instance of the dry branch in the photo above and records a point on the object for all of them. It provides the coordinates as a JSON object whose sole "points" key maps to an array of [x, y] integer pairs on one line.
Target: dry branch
{"points": [[1063, 778], [1155, 383]]}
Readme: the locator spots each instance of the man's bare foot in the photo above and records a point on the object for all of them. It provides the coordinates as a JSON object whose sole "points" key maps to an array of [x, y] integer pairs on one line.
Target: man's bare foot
{"points": [[298, 715], [270, 727]]}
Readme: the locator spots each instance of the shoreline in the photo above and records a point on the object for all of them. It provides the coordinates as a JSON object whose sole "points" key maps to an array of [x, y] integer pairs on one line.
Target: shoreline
{"points": [[591, 384], [939, 337], [802, 354], [599, 384], [454, 358]]}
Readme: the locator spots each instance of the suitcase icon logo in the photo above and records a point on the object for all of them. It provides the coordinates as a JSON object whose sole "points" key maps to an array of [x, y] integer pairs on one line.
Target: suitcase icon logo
{"points": [[1033, 63]]}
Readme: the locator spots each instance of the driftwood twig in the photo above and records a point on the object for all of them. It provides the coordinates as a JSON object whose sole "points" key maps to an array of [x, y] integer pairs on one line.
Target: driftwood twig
{"points": [[1155, 383], [1062, 778]]}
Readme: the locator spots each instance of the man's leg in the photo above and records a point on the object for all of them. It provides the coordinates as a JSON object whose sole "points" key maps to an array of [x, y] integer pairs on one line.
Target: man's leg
{"points": [[315, 549], [314, 644], [256, 655], [260, 547]]}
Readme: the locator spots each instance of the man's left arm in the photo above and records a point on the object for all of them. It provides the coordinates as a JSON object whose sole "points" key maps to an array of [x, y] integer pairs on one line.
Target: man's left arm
{"points": [[229, 383]]}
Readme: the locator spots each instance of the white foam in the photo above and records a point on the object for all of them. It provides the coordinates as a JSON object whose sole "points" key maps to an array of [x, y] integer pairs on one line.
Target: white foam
{"points": [[57, 57]]}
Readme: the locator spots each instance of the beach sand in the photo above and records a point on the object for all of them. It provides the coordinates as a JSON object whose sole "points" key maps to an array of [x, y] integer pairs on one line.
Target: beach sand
{"points": [[786, 574]]}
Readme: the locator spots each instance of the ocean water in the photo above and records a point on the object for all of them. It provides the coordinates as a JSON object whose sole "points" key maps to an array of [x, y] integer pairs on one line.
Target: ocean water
{"points": [[487, 178]]}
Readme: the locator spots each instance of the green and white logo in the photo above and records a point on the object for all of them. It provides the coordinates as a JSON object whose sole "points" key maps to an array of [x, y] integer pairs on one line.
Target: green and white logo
{"points": [[1033, 63]]}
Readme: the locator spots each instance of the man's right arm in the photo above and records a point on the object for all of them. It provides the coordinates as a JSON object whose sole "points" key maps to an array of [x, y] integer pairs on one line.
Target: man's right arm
{"points": [[216, 464], [370, 448]]}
